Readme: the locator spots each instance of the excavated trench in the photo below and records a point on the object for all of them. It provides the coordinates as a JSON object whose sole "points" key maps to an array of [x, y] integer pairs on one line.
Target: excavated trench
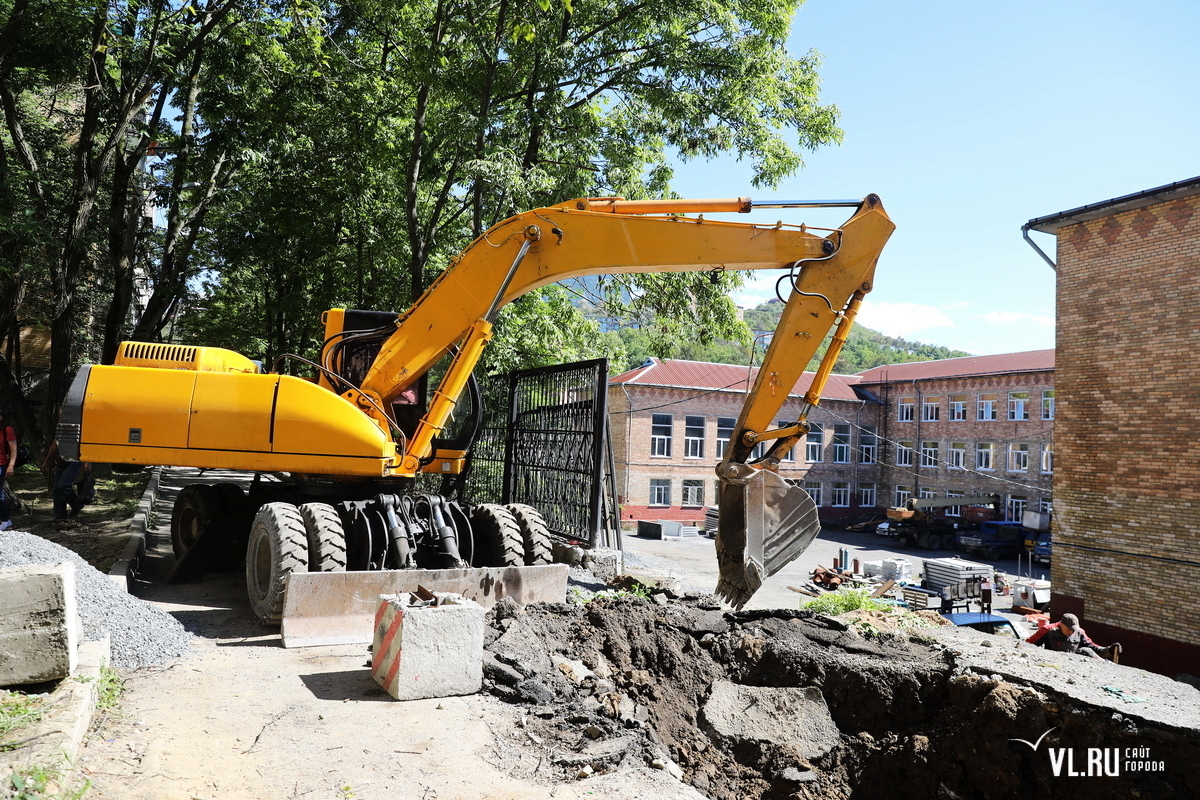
{"points": [[793, 705]]}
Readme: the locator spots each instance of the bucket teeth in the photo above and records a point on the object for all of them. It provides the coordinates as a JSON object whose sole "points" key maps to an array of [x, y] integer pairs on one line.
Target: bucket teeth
{"points": [[764, 524]]}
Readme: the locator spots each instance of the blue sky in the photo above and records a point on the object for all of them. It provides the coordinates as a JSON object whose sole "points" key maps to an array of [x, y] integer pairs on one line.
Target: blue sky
{"points": [[969, 119]]}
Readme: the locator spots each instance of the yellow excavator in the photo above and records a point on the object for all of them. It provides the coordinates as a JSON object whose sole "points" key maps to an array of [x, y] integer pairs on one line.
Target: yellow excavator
{"points": [[351, 439]]}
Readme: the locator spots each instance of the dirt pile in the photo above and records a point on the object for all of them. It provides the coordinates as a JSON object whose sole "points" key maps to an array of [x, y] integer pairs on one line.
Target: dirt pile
{"points": [[790, 705]]}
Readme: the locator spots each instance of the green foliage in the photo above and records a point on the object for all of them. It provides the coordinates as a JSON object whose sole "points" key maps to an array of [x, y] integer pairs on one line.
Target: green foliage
{"points": [[582, 596], [17, 711], [844, 600], [110, 689], [42, 782]]}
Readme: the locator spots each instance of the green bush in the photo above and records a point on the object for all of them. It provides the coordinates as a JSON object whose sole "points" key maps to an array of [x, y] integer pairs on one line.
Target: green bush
{"points": [[844, 600]]}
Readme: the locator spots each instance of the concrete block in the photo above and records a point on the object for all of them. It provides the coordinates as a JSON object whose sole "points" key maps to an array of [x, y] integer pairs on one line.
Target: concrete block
{"points": [[569, 554], [38, 623], [425, 651], [795, 717], [605, 564]]}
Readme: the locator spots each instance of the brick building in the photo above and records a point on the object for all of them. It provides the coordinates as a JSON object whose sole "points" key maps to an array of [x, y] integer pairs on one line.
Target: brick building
{"points": [[1127, 497], [956, 427]]}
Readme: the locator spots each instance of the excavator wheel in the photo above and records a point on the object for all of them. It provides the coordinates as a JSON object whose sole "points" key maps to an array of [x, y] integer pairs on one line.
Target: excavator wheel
{"points": [[197, 511], [933, 542], [534, 533], [497, 537], [326, 538], [278, 546]]}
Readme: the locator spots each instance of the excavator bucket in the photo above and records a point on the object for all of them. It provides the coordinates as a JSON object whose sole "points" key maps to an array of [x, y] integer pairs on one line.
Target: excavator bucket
{"points": [[764, 524]]}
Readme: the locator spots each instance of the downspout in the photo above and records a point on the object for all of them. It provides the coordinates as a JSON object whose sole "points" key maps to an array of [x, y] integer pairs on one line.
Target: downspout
{"points": [[918, 456], [628, 442], [1038, 250]]}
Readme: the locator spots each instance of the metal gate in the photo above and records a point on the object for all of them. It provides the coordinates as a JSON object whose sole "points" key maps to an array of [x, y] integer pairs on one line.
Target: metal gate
{"points": [[551, 450]]}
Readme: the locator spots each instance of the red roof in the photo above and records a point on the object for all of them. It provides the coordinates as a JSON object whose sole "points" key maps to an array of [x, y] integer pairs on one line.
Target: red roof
{"points": [[1028, 361], [707, 376]]}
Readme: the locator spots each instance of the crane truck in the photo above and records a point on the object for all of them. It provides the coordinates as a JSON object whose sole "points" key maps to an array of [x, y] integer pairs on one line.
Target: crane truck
{"points": [[350, 439]]}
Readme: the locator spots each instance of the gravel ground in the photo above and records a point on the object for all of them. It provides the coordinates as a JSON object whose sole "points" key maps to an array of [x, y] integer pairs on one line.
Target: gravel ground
{"points": [[140, 634]]}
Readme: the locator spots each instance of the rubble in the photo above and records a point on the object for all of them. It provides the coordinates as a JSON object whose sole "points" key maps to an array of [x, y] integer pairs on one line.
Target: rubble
{"points": [[789, 704]]}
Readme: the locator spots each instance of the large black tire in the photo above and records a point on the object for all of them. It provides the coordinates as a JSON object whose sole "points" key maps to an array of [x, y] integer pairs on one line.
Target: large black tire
{"points": [[326, 538], [198, 511], [535, 535], [497, 537], [933, 541], [278, 546]]}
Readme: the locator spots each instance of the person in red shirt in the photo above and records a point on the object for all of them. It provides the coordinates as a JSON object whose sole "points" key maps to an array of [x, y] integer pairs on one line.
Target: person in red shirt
{"points": [[8, 461], [1066, 636]]}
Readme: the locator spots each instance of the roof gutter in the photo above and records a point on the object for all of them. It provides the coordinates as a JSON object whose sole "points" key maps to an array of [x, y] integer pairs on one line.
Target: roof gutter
{"points": [[1038, 250]]}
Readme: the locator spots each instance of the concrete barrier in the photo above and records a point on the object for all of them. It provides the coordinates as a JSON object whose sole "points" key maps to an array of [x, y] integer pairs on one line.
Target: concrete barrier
{"points": [[38, 623], [423, 651]]}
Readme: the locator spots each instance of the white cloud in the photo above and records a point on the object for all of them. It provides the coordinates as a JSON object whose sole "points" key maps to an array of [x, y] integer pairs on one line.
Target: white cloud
{"points": [[1011, 318], [902, 319]]}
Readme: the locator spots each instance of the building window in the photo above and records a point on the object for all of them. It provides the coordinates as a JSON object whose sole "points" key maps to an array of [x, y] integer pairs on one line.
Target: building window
{"points": [[840, 495], [814, 491], [983, 455], [904, 454], [693, 437], [815, 444], [841, 445], [905, 407], [1018, 405], [1018, 458], [956, 455], [790, 455], [867, 446], [1014, 509], [987, 406], [660, 435], [866, 494], [724, 434], [1048, 458], [660, 492], [929, 454], [903, 493], [1047, 404], [1046, 505], [954, 511], [758, 451], [931, 409], [693, 493], [958, 407]]}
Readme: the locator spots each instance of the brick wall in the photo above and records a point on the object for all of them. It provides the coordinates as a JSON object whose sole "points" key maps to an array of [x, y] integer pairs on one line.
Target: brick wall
{"points": [[1127, 495]]}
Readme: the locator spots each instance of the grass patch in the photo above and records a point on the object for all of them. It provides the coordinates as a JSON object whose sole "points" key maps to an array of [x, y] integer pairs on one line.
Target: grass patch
{"points": [[17, 712], [582, 596], [844, 600], [42, 782], [110, 689]]}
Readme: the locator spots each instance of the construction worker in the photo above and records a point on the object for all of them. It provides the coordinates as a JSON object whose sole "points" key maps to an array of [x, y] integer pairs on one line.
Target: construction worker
{"points": [[1066, 636]]}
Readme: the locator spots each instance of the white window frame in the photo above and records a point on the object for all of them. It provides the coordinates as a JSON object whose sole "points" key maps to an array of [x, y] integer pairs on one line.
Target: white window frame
{"points": [[904, 454], [954, 511], [986, 407], [906, 409], [660, 492], [841, 444], [956, 455], [693, 493], [990, 449], [1018, 457], [1014, 507], [723, 441], [868, 446], [1047, 404], [1046, 505], [693, 446], [1018, 405], [957, 407], [903, 493], [790, 455], [866, 495], [660, 444], [1047, 458], [839, 494], [814, 491], [931, 409], [814, 444], [929, 455]]}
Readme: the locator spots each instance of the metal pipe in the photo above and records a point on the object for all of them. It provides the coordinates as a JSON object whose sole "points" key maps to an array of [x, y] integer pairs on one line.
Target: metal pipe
{"points": [[805, 203], [1038, 250]]}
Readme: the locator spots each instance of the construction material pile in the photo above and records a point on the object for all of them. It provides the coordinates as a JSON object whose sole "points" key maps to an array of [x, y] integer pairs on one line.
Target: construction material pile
{"points": [[779, 704], [140, 635]]}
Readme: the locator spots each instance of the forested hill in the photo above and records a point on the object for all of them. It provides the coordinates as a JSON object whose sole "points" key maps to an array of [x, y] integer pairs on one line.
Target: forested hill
{"points": [[864, 349]]}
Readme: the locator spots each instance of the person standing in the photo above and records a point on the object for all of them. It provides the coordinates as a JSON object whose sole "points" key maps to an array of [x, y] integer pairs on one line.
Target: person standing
{"points": [[985, 595], [8, 461], [66, 475]]}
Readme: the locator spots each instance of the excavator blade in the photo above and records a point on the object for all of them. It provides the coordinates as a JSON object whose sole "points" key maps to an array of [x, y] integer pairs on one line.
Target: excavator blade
{"points": [[764, 524]]}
